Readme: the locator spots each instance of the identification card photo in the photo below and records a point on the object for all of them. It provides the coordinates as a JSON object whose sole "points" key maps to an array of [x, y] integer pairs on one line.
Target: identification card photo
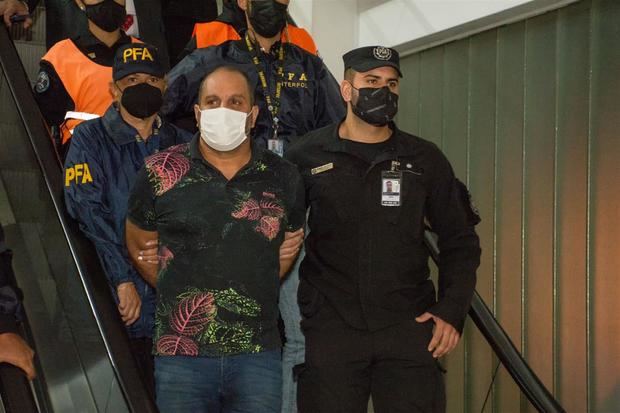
{"points": [[390, 188]]}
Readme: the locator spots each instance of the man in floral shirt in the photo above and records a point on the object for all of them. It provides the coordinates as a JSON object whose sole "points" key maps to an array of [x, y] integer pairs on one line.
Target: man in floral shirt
{"points": [[220, 207]]}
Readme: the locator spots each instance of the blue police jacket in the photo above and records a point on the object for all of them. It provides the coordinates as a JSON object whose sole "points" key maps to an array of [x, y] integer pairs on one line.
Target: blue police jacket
{"points": [[103, 160]]}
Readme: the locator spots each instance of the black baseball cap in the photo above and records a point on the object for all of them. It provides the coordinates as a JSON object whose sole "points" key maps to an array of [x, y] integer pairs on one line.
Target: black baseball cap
{"points": [[137, 58], [367, 58]]}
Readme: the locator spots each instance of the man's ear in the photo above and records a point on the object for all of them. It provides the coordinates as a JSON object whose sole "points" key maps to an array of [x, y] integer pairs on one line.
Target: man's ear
{"points": [[346, 90], [254, 115], [115, 92], [197, 115]]}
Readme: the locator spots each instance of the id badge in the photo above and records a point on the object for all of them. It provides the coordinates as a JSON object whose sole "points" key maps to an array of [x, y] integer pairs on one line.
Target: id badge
{"points": [[390, 188], [276, 146]]}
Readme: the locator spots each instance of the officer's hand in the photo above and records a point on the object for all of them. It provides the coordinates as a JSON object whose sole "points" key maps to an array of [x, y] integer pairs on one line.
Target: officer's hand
{"points": [[14, 350], [11, 7], [148, 252], [445, 336], [291, 244], [129, 302]]}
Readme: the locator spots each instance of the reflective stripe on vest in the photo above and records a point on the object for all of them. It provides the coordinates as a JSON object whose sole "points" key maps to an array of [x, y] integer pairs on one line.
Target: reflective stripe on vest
{"points": [[216, 33], [86, 82], [81, 115]]}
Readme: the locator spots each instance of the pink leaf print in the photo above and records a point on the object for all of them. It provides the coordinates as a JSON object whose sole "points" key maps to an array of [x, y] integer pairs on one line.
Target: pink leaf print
{"points": [[271, 208], [165, 255], [193, 314], [167, 168], [250, 209], [269, 227], [171, 345]]}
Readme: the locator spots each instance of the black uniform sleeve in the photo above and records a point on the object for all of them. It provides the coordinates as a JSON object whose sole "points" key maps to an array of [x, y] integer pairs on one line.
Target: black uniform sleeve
{"points": [[293, 155], [458, 244], [51, 95], [141, 211], [297, 209], [10, 295]]}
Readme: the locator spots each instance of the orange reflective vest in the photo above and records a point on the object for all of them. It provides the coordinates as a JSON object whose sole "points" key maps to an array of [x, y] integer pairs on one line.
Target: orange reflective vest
{"points": [[86, 82], [215, 33]]}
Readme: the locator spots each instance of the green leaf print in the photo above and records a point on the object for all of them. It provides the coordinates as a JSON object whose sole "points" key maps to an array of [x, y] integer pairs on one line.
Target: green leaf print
{"points": [[162, 312], [228, 338], [159, 329], [192, 180], [261, 166], [236, 303]]}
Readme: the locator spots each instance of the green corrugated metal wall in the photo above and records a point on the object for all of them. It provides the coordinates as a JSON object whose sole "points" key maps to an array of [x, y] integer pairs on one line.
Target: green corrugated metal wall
{"points": [[529, 115]]}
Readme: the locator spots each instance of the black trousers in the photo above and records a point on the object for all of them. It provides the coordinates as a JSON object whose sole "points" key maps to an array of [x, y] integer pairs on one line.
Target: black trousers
{"points": [[345, 366]]}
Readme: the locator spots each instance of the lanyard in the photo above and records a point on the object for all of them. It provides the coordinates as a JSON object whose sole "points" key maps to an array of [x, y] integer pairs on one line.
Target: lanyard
{"points": [[273, 103]]}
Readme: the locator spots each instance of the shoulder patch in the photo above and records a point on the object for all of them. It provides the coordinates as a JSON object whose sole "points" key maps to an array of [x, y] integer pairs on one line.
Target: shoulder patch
{"points": [[43, 82], [78, 174]]}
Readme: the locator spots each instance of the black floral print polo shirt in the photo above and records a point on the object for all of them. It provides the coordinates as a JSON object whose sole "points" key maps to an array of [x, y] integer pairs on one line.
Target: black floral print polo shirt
{"points": [[218, 283]]}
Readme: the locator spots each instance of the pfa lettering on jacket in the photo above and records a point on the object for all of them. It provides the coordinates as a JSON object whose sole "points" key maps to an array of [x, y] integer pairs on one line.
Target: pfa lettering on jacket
{"points": [[78, 174], [294, 80]]}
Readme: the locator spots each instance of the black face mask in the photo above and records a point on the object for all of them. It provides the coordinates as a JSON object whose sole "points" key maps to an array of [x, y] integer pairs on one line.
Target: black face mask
{"points": [[268, 17], [107, 15], [376, 106], [142, 100]]}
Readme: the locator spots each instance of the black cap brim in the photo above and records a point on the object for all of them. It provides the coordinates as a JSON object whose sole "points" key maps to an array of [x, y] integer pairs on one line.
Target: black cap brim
{"points": [[366, 66], [133, 70]]}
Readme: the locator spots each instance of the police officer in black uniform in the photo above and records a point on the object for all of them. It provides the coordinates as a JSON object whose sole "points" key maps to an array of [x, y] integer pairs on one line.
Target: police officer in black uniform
{"points": [[372, 322]]}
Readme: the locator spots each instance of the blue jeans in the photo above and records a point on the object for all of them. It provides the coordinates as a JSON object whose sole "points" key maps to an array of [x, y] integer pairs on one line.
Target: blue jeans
{"points": [[294, 348], [245, 383]]}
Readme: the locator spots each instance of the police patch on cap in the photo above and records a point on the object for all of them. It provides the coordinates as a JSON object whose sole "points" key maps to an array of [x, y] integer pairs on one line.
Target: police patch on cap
{"points": [[382, 53], [137, 58], [43, 82], [367, 58]]}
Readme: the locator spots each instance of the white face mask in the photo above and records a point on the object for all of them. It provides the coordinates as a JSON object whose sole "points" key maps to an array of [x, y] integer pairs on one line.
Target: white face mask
{"points": [[223, 129]]}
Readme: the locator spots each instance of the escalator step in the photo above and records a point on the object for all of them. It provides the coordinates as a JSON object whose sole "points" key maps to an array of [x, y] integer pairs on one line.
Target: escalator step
{"points": [[27, 205], [30, 54], [14, 148]]}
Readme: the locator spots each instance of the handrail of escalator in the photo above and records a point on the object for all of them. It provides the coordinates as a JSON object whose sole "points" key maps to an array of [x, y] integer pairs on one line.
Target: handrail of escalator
{"points": [[95, 285], [15, 390], [503, 347]]}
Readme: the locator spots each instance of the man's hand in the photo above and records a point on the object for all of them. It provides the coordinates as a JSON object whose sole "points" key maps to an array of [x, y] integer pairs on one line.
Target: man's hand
{"points": [[129, 302], [445, 337], [291, 245], [289, 249], [142, 247], [10, 7], [15, 351], [148, 252]]}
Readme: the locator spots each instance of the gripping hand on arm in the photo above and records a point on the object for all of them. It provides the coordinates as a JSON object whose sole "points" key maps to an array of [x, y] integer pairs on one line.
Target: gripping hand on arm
{"points": [[290, 249]]}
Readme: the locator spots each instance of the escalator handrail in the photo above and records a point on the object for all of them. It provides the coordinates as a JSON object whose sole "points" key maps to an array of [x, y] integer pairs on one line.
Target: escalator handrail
{"points": [[503, 347], [15, 390], [89, 269]]}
